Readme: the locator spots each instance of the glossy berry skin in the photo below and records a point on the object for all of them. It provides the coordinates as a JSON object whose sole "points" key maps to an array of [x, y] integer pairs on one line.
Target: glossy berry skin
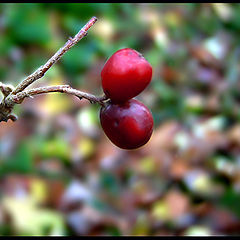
{"points": [[125, 74], [128, 125]]}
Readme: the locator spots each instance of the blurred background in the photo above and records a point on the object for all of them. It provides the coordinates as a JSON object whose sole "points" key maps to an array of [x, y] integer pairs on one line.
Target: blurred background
{"points": [[60, 175]]}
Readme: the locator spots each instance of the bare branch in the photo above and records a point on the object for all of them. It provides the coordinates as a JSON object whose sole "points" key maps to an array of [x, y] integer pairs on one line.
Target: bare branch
{"points": [[39, 73], [19, 97], [16, 96]]}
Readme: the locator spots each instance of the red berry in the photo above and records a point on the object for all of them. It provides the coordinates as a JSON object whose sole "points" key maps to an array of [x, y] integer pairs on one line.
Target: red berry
{"points": [[128, 125], [125, 74]]}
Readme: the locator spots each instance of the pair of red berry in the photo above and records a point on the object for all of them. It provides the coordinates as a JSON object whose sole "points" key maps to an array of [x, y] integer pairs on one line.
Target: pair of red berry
{"points": [[127, 122]]}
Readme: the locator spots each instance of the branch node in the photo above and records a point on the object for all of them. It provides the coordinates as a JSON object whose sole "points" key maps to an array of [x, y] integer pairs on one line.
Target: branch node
{"points": [[6, 89], [16, 95]]}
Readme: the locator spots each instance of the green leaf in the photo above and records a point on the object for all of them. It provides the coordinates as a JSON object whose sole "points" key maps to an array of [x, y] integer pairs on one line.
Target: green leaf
{"points": [[28, 24], [230, 200], [20, 162]]}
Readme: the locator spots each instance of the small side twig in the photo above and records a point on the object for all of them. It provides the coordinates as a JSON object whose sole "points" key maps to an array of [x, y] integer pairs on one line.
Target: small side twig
{"points": [[12, 96], [39, 73], [19, 97]]}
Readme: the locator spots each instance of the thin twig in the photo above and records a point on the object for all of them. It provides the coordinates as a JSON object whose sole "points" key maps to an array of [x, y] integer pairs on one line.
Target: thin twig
{"points": [[19, 97], [16, 96], [39, 73]]}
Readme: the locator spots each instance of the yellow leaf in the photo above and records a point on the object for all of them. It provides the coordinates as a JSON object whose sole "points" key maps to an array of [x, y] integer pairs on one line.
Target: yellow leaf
{"points": [[147, 165], [28, 219], [38, 190], [161, 211], [141, 227], [86, 147], [55, 103]]}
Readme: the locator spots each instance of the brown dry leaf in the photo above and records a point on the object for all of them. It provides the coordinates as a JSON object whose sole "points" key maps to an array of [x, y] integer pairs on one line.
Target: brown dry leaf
{"points": [[147, 198], [193, 150], [6, 127], [204, 56], [55, 193], [222, 220], [213, 103], [108, 156], [233, 135], [169, 74], [172, 207], [218, 138], [179, 168], [88, 220], [178, 203], [163, 137], [16, 185], [202, 209], [205, 137], [43, 191]]}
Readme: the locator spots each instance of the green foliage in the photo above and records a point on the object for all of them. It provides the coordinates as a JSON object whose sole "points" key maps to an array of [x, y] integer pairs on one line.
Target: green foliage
{"points": [[20, 162], [27, 24]]}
